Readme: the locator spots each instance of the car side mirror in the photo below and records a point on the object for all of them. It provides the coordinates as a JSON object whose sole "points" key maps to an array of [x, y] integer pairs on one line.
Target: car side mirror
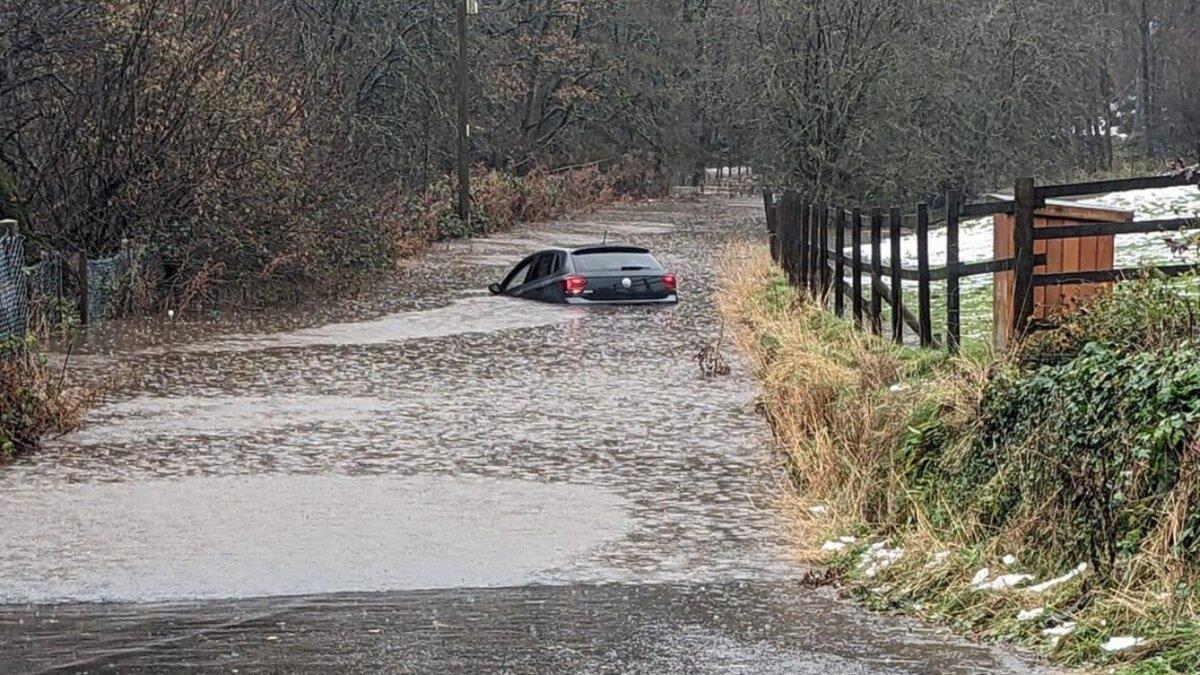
{"points": [[495, 289]]}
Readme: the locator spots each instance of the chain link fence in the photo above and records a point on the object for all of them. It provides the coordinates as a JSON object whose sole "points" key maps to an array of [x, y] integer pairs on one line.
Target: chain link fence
{"points": [[105, 278], [38, 295], [14, 290]]}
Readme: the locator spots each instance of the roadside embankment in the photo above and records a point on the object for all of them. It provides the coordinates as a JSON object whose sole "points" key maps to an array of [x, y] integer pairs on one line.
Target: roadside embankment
{"points": [[1049, 497]]}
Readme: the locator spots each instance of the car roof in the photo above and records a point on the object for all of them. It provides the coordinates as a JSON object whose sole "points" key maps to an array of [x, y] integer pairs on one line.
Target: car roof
{"points": [[609, 249]]}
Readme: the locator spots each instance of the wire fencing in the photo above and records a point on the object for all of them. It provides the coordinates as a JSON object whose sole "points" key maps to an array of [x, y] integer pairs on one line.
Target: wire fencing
{"points": [[14, 291], [48, 292]]}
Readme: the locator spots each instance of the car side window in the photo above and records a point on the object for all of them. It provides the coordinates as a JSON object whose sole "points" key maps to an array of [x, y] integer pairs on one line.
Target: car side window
{"points": [[518, 276], [541, 267]]}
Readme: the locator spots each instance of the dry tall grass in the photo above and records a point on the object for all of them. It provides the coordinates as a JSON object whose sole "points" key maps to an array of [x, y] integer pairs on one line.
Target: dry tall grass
{"points": [[35, 399], [837, 399], [889, 444]]}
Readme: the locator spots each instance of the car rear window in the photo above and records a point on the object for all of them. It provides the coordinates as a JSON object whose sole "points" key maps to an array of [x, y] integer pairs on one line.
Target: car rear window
{"points": [[586, 263]]}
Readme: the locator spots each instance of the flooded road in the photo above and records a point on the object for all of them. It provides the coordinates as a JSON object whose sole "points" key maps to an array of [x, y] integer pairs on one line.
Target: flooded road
{"points": [[430, 479]]}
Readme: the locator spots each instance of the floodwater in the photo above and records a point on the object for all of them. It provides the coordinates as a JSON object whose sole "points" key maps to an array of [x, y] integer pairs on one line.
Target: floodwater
{"points": [[426, 478]]}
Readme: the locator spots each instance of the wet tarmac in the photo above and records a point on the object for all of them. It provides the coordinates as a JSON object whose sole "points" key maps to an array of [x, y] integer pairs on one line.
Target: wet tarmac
{"points": [[426, 478]]}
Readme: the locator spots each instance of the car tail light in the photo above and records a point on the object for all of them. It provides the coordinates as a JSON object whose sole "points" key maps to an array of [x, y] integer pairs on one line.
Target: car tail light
{"points": [[574, 284], [669, 282]]}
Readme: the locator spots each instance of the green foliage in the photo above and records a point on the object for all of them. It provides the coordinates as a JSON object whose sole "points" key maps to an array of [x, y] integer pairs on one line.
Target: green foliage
{"points": [[1094, 446], [1151, 314], [1077, 446]]}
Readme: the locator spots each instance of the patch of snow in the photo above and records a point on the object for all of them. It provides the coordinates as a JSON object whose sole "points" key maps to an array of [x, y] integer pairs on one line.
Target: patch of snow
{"points": [[980, 577], [899, 388], [879, 558], [817, 510], [1058, 581], [1059, 631], [848, 540], [1009, 560], [1119, 644], [1004, 582], [833, 546], [1030, 614]]}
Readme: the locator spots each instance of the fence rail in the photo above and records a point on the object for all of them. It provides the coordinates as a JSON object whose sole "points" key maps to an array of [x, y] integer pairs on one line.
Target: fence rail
{"points": [[808, 239]]}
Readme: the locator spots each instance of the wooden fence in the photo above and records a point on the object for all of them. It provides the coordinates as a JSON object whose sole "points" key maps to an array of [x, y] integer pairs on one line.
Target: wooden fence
{"points": [[809, 241]]}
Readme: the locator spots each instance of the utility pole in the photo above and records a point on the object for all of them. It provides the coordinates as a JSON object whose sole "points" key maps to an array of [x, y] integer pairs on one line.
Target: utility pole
{"points": [[464, 161]]}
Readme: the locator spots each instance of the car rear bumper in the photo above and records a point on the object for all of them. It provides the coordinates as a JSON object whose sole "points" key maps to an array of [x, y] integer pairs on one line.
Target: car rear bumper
{"points": [[670, 300]]}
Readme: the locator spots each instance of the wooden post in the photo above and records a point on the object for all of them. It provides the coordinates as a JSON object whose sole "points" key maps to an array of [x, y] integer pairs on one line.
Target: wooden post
{"points": [[814, 239], [897, 283], [78, 264], [876, 271], [823, 253], [924, 312], [953, 300], [769, 207], [802, 251], [1025, 206], [839, 265], [856, 266], [788, 213]]}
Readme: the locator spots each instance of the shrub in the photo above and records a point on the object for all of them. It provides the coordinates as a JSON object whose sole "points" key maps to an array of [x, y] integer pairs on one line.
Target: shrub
{"points": [[33, 400]]}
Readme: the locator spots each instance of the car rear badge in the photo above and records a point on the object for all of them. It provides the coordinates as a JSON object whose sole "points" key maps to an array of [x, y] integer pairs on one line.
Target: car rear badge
{"points": [[627, 282]]}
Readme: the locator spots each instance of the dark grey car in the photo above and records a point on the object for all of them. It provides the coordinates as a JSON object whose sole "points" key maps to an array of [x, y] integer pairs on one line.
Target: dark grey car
{"points": [[594, 275]]}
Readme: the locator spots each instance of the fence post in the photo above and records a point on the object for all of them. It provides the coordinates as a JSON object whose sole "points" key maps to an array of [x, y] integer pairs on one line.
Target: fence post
{"points": [[839, 264], [823, 254], [924, 311], [794, 251], [953, 306], [814, 272], [876, 271], [856, 266], [772, 234], [78, 263], [803, 248], [1025, 197], [897, 283], [786, 230]]}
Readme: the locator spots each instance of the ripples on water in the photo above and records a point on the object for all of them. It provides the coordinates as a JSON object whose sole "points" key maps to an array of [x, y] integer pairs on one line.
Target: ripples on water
{"points": [[426, 435], [470, 386]]}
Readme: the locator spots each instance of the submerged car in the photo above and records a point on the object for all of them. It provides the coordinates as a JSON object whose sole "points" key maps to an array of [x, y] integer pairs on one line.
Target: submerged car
{"points": [[595, 275]]}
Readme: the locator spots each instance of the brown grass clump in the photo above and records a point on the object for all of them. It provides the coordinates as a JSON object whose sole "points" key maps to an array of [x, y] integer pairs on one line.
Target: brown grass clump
{"points": [[827, 391], [36, 400]]}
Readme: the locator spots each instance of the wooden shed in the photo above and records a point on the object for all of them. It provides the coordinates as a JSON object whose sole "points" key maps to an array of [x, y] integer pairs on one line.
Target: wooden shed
{"points": [[1082, 254]]}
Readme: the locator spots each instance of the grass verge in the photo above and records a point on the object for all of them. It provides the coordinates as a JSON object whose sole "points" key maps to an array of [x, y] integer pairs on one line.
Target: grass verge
{"points": [[1049, 497]]}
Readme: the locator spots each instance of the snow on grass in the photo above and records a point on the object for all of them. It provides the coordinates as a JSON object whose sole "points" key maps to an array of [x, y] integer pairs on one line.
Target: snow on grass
{"points": [[1058, 581], [976, 244], [1031, 614], [879, 558], [1005, 582], [1120, 644], [1060, 630]]}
